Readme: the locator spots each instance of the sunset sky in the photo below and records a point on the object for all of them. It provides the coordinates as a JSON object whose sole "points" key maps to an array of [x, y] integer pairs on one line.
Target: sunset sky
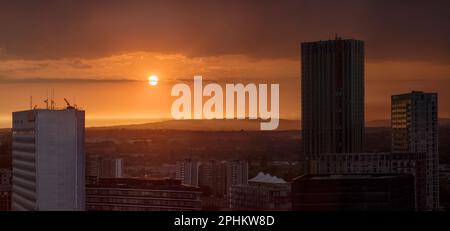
{"points": [[99, 54]]}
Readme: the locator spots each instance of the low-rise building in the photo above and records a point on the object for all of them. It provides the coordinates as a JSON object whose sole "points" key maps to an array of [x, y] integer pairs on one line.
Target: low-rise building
{"points": [[353, 192], [378, 163], [133, 194], [5, 189], [263, 192]]}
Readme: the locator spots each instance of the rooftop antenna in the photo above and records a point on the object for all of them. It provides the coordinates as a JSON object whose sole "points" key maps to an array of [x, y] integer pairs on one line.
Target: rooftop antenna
{"points": [[52, 100], [46, 101], [68, 104], [75, 102], [31, 102]]}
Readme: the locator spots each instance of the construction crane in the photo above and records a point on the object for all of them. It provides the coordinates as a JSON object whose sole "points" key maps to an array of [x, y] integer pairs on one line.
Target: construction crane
{"points": [[68, 104]]}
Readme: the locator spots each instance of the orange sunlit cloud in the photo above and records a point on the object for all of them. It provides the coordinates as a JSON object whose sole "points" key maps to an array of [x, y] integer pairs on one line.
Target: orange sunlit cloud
{"points": [[116, 87]]}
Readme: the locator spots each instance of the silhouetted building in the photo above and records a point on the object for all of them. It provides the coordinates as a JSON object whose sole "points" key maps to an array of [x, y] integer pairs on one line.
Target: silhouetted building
{"points": [[377, 163], [111, 167], [48, 160], [367, 192], [5, 176], [332, 96], [213, 203], [218, 176], [216, 179], [104, 167], [187, 172], [414, 118], [213, 175], [5, 197], [5, 189], [263, 192], [132, 194], [237, 173]]}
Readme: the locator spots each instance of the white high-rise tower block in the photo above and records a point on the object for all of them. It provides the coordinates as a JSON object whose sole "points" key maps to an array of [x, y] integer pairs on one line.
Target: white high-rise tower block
{"points": [[48, 160]]}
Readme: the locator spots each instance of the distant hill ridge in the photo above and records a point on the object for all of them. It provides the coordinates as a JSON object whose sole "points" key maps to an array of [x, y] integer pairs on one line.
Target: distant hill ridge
{"points": [[208, 125], [233, 125]]}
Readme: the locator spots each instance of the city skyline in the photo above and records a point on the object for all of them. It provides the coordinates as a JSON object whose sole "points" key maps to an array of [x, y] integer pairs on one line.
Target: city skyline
{"points": [[225, 106], [105, 67]]}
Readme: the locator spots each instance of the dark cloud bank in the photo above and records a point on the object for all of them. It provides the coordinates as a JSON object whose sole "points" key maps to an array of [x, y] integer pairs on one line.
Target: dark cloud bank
{"points": [[393, 30]]}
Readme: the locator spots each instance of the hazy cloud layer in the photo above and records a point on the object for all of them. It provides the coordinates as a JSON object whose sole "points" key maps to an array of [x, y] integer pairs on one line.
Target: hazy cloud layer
{"points": [[393, 30], [46, 80]]}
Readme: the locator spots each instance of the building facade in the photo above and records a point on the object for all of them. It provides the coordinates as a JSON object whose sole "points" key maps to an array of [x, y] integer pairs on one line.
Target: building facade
{"points": [[352, 192], [104, 167], [5, 189], [378, 163], [213, 175], [218, 176], [48, 160], [187, 172], [414, 121], [131, 194], [263, 192], [332, 96], [5, 197], [237, 173]]}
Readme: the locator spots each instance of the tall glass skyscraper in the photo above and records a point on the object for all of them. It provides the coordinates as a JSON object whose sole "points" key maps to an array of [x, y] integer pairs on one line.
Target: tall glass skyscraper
{"points": [[332, 96]]}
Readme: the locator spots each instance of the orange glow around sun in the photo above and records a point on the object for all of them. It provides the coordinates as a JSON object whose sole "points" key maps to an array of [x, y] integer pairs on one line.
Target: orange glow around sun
{"points": [[153, 80]]}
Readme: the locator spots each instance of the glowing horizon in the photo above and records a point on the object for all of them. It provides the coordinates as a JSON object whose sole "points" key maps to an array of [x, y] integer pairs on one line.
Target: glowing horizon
{"points": [[103, 65]]}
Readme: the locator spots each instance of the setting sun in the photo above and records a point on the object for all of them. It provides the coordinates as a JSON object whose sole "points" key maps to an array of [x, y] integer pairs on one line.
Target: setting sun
{"points": [[153, 80]]}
